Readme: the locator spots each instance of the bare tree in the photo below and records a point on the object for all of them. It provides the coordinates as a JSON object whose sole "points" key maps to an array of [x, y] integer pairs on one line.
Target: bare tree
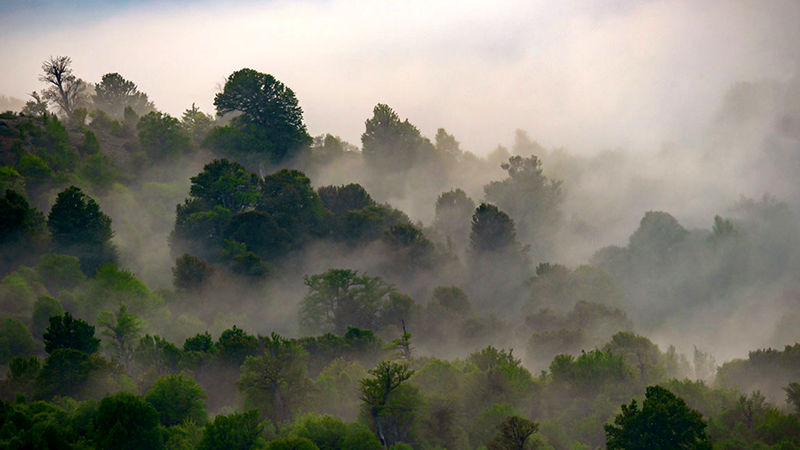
{"points": [[65, 89]]}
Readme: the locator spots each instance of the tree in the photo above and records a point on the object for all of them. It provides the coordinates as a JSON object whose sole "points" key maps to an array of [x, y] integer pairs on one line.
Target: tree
{"points": [[390, 415], [22, 230], [492, 231], [276, 381], [530, 198], [340, 298], [453, 212], [162, 136], [514, 434], [36, 107], [191, 273], [341, 199], [80, 228], [267, 105], [125, 421], [288, 197], [793, 396], [227, 184], [234, 345], [663, 422], [177, 399], [114, 93], [122, 329], [65, 90], [196, 123], [15, 340], [240, 431], [44, 308], [390, 145], [68, 332]]}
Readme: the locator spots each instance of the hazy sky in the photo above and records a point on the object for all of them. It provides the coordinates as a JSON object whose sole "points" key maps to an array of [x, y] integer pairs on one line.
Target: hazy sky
{"points": [[586, 75]]}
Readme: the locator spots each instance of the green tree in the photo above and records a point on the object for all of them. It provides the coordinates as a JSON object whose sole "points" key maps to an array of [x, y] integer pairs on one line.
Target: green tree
{"points": [[340, 298], [68, 332], [114, 93], [268, 107], [123, 330], [793, 396], [196, 124], [80, 228], [453, 212], [389, 144], [513, 434], [125, 421], [191, 273], [178, 399], [493, 231], [234, 345], [275, 382], [22, 231], [390, 414], [288, 197], [663, 422], [162, 136], [240, 431], [44, 308], [530, 198], [15, 340]]}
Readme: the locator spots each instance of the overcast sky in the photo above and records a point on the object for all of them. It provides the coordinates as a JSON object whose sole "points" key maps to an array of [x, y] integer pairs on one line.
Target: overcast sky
{"points": [[587, 75]]}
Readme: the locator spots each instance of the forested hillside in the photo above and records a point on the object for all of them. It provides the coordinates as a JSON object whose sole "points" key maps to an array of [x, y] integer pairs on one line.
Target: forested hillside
{"points": [[225, 280]]}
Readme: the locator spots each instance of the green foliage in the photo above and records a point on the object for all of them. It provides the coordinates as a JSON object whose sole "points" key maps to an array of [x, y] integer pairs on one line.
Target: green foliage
{"points": [[34, 169], [114, 94], [234, 432], [389, 144], [590, 371], [191, 273], [530, 198], [514, 434], [44, 308], [328, 433], [66, 372], [22, 231], [100, 170], [340, 298], [664, 422], [125, 421], [90, 144], [177, 399], [388, 403], [67, 332], [196, 123], [79, 228], [492, 231], [288, 197], [275, 382], [122, 330], [162, 136], [269, 109], [234, 345], [60, 271], [341, 199], [15, 340], [793, 396]]}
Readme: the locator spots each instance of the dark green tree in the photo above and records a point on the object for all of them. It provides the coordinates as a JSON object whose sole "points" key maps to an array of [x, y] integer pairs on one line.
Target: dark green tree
{"points": [[68, 332], [162, 136], [79, 228], [234, 345], [793, 396], [492, 231], [513, 434], [125, 421], [178, 399], [663, 422], [240, 431], [269, 110], [191, 273], [389, 144]]}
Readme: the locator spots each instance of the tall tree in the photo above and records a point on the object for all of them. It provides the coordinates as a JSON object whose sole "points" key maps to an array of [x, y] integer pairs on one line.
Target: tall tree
{"points": [[122, 329], [389, 144], [663, 422], [341, 298], [267, 105], [114, 93], [65, 90], [389, 415], [67, 332], [80, 228]]}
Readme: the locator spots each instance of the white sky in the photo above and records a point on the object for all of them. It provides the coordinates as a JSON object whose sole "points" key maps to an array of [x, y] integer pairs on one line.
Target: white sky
{"points": [[587, 75]]}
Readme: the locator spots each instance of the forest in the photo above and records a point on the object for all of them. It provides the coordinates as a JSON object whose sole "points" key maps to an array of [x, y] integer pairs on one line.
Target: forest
{"points": [[225, 280]]}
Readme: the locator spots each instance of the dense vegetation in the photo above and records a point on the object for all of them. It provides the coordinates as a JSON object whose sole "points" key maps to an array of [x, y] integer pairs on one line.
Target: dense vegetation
{"points": [[228, 281]]}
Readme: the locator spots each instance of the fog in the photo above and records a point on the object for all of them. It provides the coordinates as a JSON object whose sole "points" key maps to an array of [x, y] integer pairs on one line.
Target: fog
{"points": [[588, 76], [577, 183]]}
